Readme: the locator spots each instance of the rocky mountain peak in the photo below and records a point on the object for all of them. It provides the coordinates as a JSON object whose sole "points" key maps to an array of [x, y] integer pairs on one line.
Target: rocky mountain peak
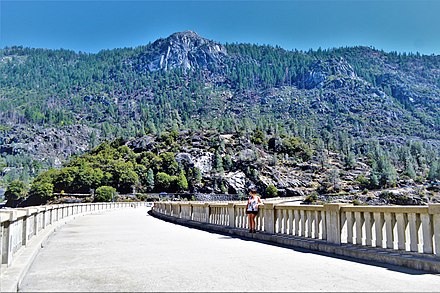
{"points": [[186, 37], [185, 50]]}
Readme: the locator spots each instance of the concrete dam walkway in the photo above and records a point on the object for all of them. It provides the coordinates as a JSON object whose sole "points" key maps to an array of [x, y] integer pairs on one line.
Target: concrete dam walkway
{"points": [[129, 250]]}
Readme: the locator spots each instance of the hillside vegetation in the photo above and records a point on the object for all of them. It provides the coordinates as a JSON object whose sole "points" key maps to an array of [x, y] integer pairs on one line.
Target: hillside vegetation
{"points": [[191, 163], [346, 108]]}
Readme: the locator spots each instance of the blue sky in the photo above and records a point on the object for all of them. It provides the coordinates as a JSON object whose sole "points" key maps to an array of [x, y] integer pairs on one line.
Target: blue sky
{"points": [[90, 26]]}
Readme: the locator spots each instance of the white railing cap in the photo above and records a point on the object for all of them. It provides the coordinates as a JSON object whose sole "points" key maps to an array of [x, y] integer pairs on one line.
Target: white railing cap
{"points": [[5, 216]]}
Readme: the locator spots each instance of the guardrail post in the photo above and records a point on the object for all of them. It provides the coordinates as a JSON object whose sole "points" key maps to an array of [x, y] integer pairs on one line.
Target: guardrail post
{"points": [[269, 217], [434, 210], [333, 222], [231, 213]]}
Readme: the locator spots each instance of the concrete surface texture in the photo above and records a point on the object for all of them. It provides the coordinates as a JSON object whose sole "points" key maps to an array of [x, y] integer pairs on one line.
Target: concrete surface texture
{"points": [[128, 250]]}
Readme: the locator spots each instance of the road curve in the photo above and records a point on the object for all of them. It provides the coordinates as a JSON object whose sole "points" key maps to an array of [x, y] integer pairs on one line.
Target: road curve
{"points": [[128, 250]]}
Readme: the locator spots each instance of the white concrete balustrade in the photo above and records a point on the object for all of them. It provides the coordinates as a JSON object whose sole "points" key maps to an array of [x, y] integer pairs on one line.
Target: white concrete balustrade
{"points": [[407, 228], [20, 225]]}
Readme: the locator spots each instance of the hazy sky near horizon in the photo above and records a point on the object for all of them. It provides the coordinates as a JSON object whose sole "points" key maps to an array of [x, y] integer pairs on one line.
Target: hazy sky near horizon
{"points": [[91, 26]]}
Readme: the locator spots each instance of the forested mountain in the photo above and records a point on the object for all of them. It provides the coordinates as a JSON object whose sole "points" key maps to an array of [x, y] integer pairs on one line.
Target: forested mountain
{"points": [[58, 103]]}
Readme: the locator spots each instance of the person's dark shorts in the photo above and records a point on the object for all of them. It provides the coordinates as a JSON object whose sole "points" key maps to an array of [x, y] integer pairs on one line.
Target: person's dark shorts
{"points": [[252, 212]]}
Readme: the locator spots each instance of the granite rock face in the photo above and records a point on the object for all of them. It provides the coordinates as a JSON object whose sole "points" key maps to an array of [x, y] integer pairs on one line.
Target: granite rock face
{"points": [[186, 50], [335, 69], [50, 144]]}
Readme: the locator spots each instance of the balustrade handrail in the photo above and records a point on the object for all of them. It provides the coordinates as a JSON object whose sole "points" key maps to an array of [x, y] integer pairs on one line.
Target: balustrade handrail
{"points": [[413, 229], [19, 225]]}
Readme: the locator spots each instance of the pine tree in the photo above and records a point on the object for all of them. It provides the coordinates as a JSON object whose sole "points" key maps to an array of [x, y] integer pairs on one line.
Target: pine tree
{"points": [[182, 183], [150, 180], [350, 160], [409, 169], [434, 171], [218, 163]]}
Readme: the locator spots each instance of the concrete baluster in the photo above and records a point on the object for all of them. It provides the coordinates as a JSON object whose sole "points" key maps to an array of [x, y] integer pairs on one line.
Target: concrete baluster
{"points": [[219, 214], [8, 231], [225, 214], [239, 217], [434, 211], [36, 223], [323, 224], [413, 232], [43, 216], [290, 222], [2, 235], [378, 226], [188, 211], [317, 221], [359, 223], [269, 217], [26, 225], [260, 219], [296, 215], [213, 217], [302, 214], [285, 221], [427, 233], [368, 228], [278, 221], [231, 214], [52, 215], [207, 213], [350, 225], [169, 209], [309, 223], [401, 224], [192, 211], [389, 227]]}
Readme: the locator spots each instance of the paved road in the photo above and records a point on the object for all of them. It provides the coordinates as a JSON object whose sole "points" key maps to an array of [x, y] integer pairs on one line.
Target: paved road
{"points": [[128, 250]]}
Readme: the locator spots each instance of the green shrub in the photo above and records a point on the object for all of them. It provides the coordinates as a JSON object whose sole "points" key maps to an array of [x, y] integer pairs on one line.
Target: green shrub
{"points": [[294, 146], [356, 202], [163, 181], [311, 198], [142, 196], [16, 190], [43, 190], [362, 180], [271, 191], [105, 193]]}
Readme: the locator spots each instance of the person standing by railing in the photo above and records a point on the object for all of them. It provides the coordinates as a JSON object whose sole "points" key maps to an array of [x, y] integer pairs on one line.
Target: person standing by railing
{"points": [[252, 207]]}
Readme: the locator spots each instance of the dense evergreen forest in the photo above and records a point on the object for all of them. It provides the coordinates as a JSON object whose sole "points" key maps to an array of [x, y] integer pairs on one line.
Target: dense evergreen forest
{"points": [[59, 103]]}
